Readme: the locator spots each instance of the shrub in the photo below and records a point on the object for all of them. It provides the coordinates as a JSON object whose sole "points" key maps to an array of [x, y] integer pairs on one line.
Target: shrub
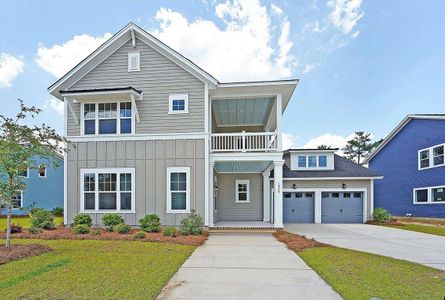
{"points": [[111, 220], [33, 210], [192, 224], [35, 230], [83, 219], [150, 223], [381, 215], [16, 228], [170, 231], [122, 228], [81, 229], [97, 231], [57, 212], [139, 235], [42, 219]]}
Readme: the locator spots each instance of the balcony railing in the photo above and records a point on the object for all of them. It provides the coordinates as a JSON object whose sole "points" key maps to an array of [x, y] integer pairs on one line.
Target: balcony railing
{"points": [[244, 142]]}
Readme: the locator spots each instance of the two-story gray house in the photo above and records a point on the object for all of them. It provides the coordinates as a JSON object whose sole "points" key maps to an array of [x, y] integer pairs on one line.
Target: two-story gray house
{"points": [[151, 132]]}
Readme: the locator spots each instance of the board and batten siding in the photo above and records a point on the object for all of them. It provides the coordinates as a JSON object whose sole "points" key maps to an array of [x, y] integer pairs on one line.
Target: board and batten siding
{"points": [[158, 77], [228, 209], [150, 159], [335, 184]]}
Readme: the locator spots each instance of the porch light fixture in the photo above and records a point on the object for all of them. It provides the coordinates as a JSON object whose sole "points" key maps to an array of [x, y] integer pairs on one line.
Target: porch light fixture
{"points": [[294, 186], [343, 186]]}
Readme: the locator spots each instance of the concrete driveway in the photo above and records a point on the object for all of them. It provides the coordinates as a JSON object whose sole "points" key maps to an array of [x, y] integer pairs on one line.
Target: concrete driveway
{"points": [[245, 266], [417, 247]]}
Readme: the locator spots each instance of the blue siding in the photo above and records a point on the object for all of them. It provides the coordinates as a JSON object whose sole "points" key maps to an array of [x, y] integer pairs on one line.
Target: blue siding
{"points": [[397, 162], [46, 192]]}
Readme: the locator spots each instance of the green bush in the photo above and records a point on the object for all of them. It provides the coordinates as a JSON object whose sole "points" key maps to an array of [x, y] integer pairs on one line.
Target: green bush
{"points": [[170, 231], [83, 219], [57, 212], [122, 228], [81, 229], [139, 235], [381, 215], [111, 220], [192, 224], [150, 223], [42, 219], [35, 230], [97, 231]]}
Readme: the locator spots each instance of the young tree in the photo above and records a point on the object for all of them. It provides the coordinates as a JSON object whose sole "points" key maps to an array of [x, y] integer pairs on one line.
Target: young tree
{"points": [[20, 145], [359, 147], [324, 147]]}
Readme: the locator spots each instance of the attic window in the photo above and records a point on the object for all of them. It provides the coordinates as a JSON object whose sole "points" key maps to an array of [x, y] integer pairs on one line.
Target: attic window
{"points": [[134, 61]]}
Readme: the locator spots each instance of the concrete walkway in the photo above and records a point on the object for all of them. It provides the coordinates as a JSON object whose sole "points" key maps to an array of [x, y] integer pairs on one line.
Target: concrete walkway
{"points": [[245, 266], [422, 248]]}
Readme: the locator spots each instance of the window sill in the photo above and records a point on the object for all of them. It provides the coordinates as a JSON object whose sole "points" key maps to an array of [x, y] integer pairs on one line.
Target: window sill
{"points": [[178, 112], [107, 211], [423, 203], [432, 167], [130, 71], [178, 211], [242, 201]]}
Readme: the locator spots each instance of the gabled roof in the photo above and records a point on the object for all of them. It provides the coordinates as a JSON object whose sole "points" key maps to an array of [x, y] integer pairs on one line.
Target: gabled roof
{"points": [[399, 127], [113, 44]]}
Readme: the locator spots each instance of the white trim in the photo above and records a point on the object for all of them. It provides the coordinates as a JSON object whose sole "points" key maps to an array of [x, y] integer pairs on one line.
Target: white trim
{"points": [[65, 166], [45, 170], [258, 83], [333, 178], [137, 56], [185, 170], [208, 169], [80, 95], [184, 97], [21, 201], [429, 195], [371, 196], [279, 112], [247, 183], [136, 137], [247, 156], [430, 157], [117, 171]]}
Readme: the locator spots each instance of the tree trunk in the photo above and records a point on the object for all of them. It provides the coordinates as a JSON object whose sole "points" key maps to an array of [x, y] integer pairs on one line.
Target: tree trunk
{"points": [[8, 227]]}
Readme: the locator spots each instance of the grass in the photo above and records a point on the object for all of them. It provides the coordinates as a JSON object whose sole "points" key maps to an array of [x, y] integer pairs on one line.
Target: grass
{"points": [[25, 222], [359, 275], [436, 230], [87, 269], [430, 221]]}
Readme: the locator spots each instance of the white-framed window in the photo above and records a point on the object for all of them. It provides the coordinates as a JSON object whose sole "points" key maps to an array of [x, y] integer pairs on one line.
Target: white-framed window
{"points": [[24, 173], [134, 61], [312, 161], [242, 191], [178, 189], [107, 118], [107, 190], [431, 157], [17, 200], [429, 195], [302, 161], [178, 103], [42, 171]]}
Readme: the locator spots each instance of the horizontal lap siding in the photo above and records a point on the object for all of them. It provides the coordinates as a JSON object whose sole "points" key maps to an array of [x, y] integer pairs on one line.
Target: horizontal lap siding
{"points": [[158, 78], [228, 210], [150, 160]]}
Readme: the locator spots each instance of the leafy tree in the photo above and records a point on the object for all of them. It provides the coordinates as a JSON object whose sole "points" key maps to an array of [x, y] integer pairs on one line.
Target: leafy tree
{"points": [[359, 147], [20, 145], [324, 147]]}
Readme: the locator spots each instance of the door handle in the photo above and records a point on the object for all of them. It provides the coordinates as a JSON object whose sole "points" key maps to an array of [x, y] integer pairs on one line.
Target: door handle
{"points": [[292, 210], [341, 210]]}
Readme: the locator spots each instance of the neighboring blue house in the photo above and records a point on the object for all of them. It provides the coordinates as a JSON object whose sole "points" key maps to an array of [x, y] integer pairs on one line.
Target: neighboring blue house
{"points": [[411, 160], [44, 188]]}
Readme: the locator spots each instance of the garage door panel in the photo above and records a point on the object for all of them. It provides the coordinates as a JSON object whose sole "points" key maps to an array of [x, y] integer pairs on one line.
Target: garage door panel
{"points": [[342, 207], [298, 208]]}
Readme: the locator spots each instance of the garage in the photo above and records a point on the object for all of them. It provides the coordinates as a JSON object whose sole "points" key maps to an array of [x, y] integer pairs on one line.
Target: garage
{"points": [[341, 207], [298, 207]]}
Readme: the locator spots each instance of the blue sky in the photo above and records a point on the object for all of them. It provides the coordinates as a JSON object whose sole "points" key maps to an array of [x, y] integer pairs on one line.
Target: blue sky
{"points": [[362, 65]]}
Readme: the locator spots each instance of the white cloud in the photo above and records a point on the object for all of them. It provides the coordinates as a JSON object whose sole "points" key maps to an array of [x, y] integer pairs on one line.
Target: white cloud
{"points": [[288, 140], [308, 68], [59, 59], [10, 68], [345, 15], [329, 139], [54, 104], [252, 42]]}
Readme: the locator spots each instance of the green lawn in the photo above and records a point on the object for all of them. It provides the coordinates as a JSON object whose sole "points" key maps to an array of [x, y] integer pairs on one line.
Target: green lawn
{"points": [[25, 222], [436, 230], [86, 269], [359, 275]]}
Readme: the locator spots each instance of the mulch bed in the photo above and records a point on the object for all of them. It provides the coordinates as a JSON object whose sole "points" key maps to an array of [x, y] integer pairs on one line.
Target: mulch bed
{"points": [[62, 232], [21, 251], [296, 242]]}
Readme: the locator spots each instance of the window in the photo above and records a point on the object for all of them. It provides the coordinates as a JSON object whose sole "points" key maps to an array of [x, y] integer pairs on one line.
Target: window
{"points": [[357, 195], [178, 190], [324, 195], [322, 161], [42, 171], [287, 195], [178, 103], [17, 200], [346, 195], [107, 118], [24, 173], [298, 195], [429, 195], [431, 157], [242, 191], [107, 190], [335, 195], [312, 161], [134, 61], [301, 161], [309, 195]]}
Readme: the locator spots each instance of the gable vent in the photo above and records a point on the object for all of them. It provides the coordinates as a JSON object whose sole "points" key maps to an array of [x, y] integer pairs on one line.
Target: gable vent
{"points": [[134, 61]]}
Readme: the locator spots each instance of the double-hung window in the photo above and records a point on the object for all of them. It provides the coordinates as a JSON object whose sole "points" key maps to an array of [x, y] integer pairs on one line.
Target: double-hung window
{"points": [[178, 103], [107, 190], [431, 157], [24, 173], [107, 118], [178, 189], [301, 161], [42, 171], [17, 200], [322, 161], [242, 191], [312, 161], [427, 195]]}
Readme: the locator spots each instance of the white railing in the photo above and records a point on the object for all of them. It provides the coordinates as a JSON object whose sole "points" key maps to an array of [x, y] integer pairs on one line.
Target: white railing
{"points": [[244, 141]]}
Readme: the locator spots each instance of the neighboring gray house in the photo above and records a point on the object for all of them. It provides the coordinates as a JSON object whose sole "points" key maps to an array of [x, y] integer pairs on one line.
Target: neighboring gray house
{"points": [[151, 132]]}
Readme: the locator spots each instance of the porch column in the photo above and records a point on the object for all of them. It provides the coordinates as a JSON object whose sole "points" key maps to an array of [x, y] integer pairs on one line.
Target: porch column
{"points": [[211, 194], [279, 114], [278, 194], [266, 194], [317, 207]]}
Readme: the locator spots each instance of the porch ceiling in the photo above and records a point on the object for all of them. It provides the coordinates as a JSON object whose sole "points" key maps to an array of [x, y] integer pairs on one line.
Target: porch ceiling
{"points": [[241, 111], [241, 166]]}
